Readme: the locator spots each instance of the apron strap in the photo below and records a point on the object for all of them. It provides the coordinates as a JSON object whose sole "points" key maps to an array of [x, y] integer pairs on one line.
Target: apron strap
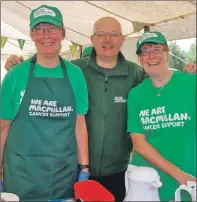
{"points": [[63, 66], [33, 61]]}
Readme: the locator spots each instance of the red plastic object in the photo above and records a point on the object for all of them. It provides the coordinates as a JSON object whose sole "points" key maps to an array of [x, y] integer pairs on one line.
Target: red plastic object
{"points": [[91, 190]]}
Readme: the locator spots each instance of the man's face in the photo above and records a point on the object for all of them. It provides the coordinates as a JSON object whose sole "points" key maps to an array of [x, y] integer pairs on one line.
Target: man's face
{"points": [[154, 58], [107, 37], [47, 38]]}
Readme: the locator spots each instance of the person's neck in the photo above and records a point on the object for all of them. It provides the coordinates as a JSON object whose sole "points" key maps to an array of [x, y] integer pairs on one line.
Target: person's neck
{"points": [[163, 79], [106, 62], [48, 62]]}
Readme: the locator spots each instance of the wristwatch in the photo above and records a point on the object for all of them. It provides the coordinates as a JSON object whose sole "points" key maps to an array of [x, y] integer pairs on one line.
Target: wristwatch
{"points": [[81, 167]]}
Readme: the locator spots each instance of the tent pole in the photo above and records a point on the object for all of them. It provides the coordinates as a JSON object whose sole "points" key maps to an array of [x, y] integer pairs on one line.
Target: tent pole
{"points": [[80, 51], [146, 29]]}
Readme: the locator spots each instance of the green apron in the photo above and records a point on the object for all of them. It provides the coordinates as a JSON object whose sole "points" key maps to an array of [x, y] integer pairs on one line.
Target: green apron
{"points": [[40, 156]]}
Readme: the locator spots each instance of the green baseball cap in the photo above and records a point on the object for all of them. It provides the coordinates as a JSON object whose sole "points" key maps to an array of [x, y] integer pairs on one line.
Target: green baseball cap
{"points": [[150, 37], [46, 14], [87, 51]]}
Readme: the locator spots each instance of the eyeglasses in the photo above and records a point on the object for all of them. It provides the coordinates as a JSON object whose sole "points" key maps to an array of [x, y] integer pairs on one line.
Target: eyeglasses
{"points": [[155, 51], [112, 35], [37, 30]]}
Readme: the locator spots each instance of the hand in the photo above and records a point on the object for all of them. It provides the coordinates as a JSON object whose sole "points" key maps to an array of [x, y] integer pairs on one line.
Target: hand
{"points": [[83, 176], [13, 60], [183, 178], [190, 68], [1, 186]]}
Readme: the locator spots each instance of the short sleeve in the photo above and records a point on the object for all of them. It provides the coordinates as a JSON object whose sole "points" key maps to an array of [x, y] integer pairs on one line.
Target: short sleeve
{"points": [[193, 84], [133, 120], [78, 83], [6, 97], [81, 94]]}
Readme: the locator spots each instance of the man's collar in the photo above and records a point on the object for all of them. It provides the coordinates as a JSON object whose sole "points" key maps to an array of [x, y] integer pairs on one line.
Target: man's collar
{"points": [[121, 68]]}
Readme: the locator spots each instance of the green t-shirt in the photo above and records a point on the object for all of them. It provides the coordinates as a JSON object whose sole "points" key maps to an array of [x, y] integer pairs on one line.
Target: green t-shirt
{"points": [[15, 82], [169, 123]]}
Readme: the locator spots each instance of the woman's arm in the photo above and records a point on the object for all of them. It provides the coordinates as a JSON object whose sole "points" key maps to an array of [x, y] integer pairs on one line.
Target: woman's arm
{"points": [[82, 141], [142, 147]]}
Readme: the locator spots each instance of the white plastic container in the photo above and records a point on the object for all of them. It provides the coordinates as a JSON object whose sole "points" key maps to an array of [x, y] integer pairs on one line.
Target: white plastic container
{"points": [[8, 197], [189, 187], [142, 184]]}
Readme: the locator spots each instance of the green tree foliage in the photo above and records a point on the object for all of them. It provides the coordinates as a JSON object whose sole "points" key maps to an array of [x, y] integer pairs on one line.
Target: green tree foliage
{"points": [[192, 53], [176, 61]]}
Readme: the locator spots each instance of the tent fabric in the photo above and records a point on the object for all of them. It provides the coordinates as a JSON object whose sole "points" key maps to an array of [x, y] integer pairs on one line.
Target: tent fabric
{"points": [[176, 19]]}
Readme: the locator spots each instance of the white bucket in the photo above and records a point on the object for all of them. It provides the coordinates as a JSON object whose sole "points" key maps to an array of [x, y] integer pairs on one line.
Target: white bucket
{"points": [[190, 187], [9, 197]]}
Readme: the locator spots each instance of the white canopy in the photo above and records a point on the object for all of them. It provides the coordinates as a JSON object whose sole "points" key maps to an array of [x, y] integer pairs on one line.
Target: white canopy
{"points": [[176, 19]]}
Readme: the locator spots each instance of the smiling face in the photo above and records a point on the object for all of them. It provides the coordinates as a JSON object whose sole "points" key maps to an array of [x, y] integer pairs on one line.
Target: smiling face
{"points": [[154, 59], [107, 37], [47, 39]]}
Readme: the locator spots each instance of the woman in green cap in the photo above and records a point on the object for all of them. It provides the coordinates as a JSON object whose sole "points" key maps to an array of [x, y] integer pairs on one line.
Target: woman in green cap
{"points": [[162, 117], [43, 130]]}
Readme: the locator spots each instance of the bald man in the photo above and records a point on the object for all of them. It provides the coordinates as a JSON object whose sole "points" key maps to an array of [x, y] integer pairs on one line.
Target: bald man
{"points": [[109, 78]]}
